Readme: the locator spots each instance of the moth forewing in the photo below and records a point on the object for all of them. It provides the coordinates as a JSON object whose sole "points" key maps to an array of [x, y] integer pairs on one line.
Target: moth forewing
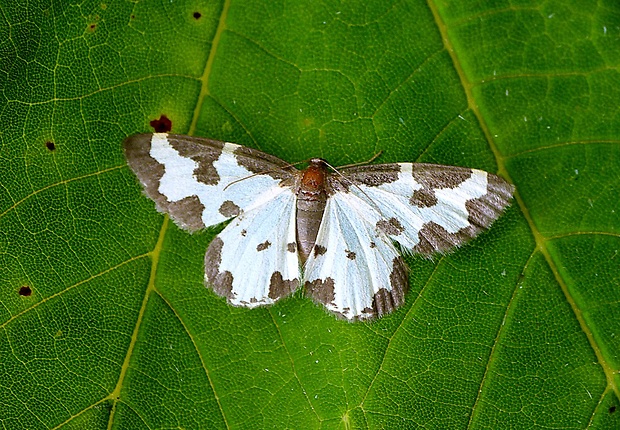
{"points": [[431, 208], [187, 177]]}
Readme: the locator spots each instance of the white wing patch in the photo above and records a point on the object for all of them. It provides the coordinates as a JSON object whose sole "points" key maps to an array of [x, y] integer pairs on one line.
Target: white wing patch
{"points": [[253, 261], [354, 269]]}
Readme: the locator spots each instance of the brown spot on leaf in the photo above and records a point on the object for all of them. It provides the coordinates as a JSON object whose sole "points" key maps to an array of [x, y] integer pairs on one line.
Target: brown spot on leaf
{"points": [[25, 291], [229, 209], [161, 125], [291, 247], [612, 409], [279, 287], [373, 245], [262, 246], [244, 232], [50, 145], [221, 282], [423, 198], [321, 291], [350, 254], [391, 227], [319, 250]]}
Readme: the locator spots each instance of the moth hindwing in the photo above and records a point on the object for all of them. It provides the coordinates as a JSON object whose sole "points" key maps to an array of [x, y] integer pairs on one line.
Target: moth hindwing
{"points": [[340, 226]]}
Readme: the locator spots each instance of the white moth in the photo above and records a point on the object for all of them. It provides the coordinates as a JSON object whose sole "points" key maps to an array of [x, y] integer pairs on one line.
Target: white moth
{"points": [[331, 231]]}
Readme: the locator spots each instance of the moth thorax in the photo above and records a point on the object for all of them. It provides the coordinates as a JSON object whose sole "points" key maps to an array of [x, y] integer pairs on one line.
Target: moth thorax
{"points": [[311, 200], [313, 179]]}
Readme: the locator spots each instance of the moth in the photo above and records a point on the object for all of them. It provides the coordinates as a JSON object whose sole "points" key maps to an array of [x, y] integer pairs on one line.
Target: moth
{"points": [[331, 230]]}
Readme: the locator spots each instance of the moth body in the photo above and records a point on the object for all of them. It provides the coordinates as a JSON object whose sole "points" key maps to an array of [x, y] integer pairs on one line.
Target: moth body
{"points": [[311, 200]]}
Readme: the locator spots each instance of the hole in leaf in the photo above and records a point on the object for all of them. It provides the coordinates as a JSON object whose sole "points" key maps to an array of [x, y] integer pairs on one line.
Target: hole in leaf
{"points": [[25, 291], [50, 145], [161, 125], [612, 409], [197, 15]]}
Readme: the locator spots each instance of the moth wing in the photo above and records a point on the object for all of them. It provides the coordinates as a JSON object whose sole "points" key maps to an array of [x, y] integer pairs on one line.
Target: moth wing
{"points": [[427, 207], [354, 269], [254, 260], [194, 179]]}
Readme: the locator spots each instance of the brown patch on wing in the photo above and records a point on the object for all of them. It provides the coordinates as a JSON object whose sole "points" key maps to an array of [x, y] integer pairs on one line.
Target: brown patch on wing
{"points": [[350, 254], [319, 250], [221, 282], [435, 238], [423, 198], [391, 227], [484, 210], [399, 281], [229, 209], [262, 246], [291, 247], [279, 287], [433, 177], [259, 162], [203, 151], [481, 214], [386, 301], [321, 291], [436, 176], [371, 176], [187, 213]]}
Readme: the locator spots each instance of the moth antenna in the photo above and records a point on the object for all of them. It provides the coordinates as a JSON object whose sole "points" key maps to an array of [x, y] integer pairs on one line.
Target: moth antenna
{"points": [[361, 163], [263, 172]]}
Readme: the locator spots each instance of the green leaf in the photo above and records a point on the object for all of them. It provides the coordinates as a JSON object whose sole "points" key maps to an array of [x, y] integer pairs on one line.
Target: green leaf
{"points": [[519, 329]]}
